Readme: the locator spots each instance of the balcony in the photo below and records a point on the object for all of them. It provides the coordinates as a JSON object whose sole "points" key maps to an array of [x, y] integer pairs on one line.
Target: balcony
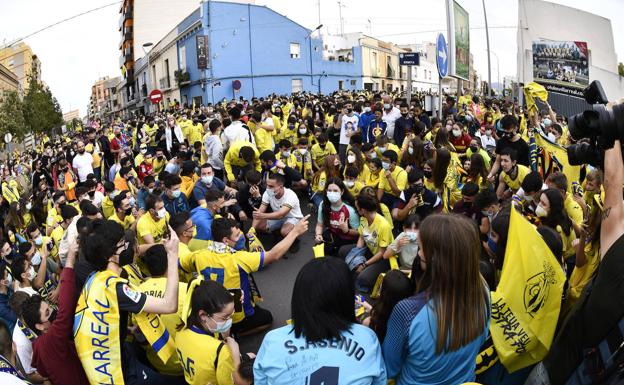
{"points": [[126, 15], [165, 83], [182, 77], [126, 35]]}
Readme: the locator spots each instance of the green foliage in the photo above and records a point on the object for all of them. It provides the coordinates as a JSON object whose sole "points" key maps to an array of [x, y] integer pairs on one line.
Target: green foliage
{"points": [[42, 111], [621, 69], [12, 116]]}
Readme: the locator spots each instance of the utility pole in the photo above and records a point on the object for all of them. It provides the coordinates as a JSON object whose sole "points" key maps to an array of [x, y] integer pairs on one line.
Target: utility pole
{"points": [[340, 5], [487, 39], [319, 10]]}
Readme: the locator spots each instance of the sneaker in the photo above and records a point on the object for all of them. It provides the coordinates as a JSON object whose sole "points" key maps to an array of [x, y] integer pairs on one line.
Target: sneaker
{"points": [[294, 247]]}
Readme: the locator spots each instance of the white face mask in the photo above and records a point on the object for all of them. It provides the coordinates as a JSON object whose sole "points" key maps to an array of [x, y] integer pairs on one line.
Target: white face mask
{"points": [[36, 259], [541, 211], [456, 133], [31, 273], [488, 132], [270, 192], [302, 151], [349, 183], [302, 131], [410, 150], [162, 213], [351, 158]]}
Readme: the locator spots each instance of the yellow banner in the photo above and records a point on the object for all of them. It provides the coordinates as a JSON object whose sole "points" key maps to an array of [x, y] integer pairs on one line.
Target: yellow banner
{"points": [[526, 303]]}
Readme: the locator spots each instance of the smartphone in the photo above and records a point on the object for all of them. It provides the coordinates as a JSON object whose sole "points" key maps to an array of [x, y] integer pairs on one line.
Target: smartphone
{"points": [[237, 294], [50, 246]]}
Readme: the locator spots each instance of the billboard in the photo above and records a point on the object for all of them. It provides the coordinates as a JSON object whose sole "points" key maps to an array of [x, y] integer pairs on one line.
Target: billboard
{"points": [[202, 52], [561, 66], [461, 42]]}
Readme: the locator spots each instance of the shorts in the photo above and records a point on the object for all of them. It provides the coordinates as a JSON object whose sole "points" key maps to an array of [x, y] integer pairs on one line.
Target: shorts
{"points": [[276, 224]]}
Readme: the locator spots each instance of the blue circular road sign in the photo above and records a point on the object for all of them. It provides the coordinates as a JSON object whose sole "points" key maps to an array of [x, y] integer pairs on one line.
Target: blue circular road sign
{"points": [[442, 56]]}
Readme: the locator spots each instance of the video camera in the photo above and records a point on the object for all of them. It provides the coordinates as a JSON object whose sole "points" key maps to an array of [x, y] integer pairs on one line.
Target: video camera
{"points": [[594, 130]]}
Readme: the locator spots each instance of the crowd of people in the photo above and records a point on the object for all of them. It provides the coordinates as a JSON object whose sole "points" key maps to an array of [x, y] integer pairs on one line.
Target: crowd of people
{"points": [[129, 248]]}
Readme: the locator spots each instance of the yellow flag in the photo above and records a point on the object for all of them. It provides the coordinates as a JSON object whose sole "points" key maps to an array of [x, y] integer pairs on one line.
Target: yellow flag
{"points": [[319, 250], [554, 157], [526, 303], [532, 91]]}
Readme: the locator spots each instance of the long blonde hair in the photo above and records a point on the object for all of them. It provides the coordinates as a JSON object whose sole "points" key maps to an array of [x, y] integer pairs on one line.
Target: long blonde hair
{"points": [[453, 280]]}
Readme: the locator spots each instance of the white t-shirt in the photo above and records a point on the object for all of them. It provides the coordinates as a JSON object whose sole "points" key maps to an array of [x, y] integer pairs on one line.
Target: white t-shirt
{"points": [[349, 123], [390, 118], [83, 164], [289, 199], [486, 140], [7, 379], [24, 349], [236, 132]]}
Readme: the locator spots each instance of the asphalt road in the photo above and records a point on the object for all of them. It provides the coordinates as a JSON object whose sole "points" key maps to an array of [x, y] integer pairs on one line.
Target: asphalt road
{"points": [[276, 281]]}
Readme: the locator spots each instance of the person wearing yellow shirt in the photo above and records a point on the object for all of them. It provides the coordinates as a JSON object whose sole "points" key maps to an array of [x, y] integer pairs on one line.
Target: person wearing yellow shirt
{"points": [[159, 162], [303, 160], [241, 156], [262, 132], [351, 181], [196, 133], [374, 167], [151, 128], [510, 179], [184, 227], [574, 207], [10, 190], [68, 213], [383, 144], [321, 150], [357, 160], [123, 213], [152, 225], [220, 261], [155, 259], [290, 131], [141, 155], [54, 213], [189, 178], [185, 125], [375, 236], [204, 357], [392, 180]]}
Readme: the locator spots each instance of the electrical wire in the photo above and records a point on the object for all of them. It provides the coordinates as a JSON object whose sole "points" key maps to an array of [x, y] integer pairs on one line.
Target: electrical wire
{"points": [[59, 22]]}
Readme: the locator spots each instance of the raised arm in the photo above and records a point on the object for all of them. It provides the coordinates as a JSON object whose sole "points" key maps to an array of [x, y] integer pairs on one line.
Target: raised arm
{"points": [[613, 214]]}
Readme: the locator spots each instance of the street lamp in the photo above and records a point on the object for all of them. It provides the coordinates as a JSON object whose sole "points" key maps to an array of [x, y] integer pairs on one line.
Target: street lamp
{"points": [[497, 71], [149, 69], [309, 37]]}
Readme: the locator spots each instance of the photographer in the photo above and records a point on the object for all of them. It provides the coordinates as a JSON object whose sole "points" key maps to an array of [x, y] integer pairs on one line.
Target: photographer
{"points": [[577, 355]]}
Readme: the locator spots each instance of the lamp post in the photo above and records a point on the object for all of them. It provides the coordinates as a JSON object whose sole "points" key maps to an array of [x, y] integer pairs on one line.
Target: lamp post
{"points": [[309, 37], [487, 40], [149, 70]]}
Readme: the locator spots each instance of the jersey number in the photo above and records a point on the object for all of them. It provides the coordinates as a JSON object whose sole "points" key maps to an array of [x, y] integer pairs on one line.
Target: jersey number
{"points": [[187, 365], [327, 375], [214, 274]]}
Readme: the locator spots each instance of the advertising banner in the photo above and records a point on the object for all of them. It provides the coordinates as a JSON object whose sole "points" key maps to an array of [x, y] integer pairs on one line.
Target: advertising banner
{"points": [[561, 66], [461, 42]]}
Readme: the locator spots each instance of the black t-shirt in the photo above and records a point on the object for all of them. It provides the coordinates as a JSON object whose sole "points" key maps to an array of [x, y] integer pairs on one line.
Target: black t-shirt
{"points": [[598, 311], [521, 147], [430, 201]]}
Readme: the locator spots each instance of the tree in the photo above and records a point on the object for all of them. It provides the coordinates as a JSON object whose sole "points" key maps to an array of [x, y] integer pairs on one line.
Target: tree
{"points": [[621, 69], [42, 111], [12, 115]]}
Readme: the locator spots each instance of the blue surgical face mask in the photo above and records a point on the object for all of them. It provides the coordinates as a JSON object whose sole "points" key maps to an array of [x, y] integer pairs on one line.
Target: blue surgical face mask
{"points": [[175, 193], [240, 244], [222, 327], [492, 245]]}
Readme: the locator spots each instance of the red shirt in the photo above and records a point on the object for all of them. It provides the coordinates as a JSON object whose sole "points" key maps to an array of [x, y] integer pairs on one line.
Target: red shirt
{"points": [[145, 169], [54, 353], [462, 143]]}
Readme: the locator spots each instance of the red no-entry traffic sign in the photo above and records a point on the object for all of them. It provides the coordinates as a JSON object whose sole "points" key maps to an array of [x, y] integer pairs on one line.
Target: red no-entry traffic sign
{"points": [[156, 96]]}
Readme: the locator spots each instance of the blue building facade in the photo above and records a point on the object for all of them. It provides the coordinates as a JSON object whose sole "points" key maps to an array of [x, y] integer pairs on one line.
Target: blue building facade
{"points": [[258, 51]]}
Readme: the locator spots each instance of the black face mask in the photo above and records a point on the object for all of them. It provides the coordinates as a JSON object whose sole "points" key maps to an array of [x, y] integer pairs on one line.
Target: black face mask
{"points": [[91, 194], [160, 157], [474, 148], [129, 211], [52, 316], [427, 173]]}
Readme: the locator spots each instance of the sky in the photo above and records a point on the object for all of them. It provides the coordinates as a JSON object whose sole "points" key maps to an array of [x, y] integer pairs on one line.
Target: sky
{"points": [[74, 54]]}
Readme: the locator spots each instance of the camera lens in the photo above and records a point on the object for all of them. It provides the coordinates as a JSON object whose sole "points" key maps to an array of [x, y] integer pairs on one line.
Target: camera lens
{"points": [[584, 125], [582, 153]]}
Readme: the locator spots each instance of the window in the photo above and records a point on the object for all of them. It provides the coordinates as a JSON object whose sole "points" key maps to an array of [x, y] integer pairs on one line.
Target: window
{"points": [[374, 64], [340, 84], [182, 56], [198, 101], [353, 83], [295, 50], [297, 85], [168, 80]]}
